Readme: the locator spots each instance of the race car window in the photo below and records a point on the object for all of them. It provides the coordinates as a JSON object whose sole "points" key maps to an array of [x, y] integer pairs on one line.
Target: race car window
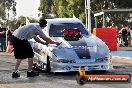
{"points": [[57, 30]]}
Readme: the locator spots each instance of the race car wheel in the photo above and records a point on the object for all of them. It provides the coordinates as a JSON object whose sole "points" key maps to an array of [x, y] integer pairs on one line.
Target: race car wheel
{"points": [[36, 67], [81, 80]]}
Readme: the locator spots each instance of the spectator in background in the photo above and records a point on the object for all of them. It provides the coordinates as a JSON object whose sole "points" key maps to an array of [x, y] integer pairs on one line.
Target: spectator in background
{"points": [[119, 37], [113, 26], [124, 32], [3, 38], [129, 36]]}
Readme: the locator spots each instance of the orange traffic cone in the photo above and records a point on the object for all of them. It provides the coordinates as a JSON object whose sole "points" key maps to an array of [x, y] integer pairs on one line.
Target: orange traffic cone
{"points": [[9, 48]]}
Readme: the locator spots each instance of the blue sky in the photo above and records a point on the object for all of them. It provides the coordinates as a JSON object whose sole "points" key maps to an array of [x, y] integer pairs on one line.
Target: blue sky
{"points": [[27, 8]]}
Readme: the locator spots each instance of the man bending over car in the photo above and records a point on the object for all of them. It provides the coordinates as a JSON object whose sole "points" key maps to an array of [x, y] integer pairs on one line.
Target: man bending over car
{"points": [[23, 49]]}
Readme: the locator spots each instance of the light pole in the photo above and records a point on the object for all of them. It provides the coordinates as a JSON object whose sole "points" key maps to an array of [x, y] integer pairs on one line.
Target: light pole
{"points": [[88, 17]]}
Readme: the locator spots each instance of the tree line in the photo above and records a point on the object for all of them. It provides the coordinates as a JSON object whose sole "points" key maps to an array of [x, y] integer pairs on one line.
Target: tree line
{"points": [[70, 8], [5, 7]]}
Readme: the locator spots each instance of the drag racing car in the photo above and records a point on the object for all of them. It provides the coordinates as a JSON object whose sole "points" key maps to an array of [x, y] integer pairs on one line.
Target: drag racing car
{"points": [[78, 48]]}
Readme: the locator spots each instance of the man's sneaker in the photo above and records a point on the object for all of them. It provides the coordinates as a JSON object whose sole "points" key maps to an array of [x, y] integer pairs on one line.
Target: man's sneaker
{"points": [[15, 75], [32, 74]]}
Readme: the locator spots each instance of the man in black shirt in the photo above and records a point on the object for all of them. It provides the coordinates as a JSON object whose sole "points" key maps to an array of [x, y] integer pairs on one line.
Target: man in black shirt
{"points": [[124, 32], [3, 38]]}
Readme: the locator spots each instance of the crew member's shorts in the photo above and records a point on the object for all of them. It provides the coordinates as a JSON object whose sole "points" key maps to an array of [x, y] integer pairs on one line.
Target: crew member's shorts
{"points": [[22, 48]]}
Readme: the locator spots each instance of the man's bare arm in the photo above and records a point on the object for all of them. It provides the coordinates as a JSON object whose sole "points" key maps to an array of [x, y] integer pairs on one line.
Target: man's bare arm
{"points": [[38, 40], [48, 40]]}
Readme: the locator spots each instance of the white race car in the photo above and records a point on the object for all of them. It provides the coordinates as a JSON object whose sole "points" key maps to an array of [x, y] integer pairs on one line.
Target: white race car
{"points": [[78, 48]]}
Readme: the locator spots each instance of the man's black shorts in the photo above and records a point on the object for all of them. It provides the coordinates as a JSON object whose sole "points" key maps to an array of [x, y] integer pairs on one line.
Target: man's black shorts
{"points": [[22, 48]]}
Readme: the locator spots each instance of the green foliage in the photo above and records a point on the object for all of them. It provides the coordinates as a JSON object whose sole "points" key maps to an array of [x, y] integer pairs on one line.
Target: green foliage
{"points": [[123, 3], [22, 20], [12, 24], [98, 5], [45, 7], [5, 6], [32, 20], [68, 8], [42, 7], [55, 7]]}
